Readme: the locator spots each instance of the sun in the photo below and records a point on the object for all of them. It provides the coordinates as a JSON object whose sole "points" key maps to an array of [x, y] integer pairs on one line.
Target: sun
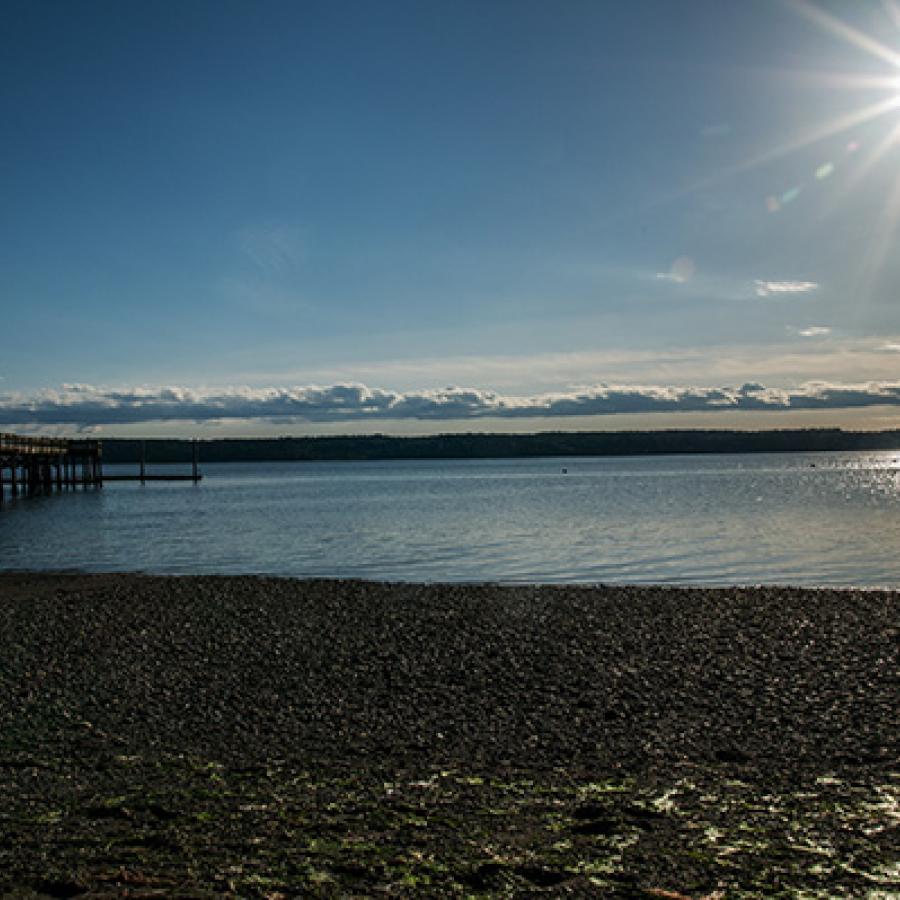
{"points": [[888, 82], [886, 108], [882, 105], [888, 219]]}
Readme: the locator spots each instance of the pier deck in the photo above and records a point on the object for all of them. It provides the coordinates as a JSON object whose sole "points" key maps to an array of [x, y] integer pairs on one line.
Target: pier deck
{"points": [[29, 465], [32, 464]]}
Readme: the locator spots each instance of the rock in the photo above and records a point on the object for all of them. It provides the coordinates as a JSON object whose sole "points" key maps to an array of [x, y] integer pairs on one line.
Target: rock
{"points": [[732, 755]]}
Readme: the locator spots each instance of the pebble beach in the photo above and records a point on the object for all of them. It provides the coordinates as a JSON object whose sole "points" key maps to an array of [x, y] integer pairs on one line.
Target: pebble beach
{"points": [[204, 736]]}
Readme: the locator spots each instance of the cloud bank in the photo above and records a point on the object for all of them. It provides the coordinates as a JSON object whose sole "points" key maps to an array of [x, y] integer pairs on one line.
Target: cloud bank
{"points": [[88, 406]]}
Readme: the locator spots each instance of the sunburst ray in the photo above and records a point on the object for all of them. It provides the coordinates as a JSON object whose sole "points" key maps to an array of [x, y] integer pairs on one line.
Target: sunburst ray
{"points": [[828, 129], [827, 22], [893, 10]]}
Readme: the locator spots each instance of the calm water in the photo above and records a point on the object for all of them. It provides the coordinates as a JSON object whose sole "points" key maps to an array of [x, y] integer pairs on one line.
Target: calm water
{"points": [[810, 519]]}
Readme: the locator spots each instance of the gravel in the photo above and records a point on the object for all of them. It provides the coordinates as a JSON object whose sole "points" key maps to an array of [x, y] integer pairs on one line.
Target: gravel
{"points": [[771, 688], [640, 678]]}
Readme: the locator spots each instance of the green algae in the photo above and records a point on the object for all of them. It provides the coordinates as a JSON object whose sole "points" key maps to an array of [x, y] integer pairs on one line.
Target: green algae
{"points": [[195, 826]]}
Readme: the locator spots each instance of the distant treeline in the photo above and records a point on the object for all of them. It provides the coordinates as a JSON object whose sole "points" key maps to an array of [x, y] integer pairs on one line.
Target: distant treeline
{"points": [[484, 446]]}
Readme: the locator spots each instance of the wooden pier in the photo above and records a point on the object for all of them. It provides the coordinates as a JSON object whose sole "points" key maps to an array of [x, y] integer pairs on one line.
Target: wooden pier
{"points": [[31, 465], [36, 464]]}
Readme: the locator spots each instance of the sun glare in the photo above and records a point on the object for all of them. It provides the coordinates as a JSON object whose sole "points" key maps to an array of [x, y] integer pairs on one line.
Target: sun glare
{"points": [[888, 217], [860, 158], [882, 102], [889, 82]]}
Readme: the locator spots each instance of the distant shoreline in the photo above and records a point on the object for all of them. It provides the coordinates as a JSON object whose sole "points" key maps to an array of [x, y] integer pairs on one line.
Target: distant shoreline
{"points": [[502, 446]]}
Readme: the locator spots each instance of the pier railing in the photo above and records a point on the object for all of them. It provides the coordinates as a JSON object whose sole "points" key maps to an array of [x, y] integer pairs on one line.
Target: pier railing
{"points": [[17, 445]]}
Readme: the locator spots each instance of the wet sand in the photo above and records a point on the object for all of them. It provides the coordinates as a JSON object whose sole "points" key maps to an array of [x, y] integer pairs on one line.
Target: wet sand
{"points": [[280, 737]]}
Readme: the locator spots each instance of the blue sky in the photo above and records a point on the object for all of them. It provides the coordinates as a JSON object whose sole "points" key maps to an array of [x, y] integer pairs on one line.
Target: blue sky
{"points": [[209, 208]]}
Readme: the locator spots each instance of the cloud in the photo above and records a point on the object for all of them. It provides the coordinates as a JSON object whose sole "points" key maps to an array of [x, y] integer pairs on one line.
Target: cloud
{"points": [[814, 331], [680, 272], [779, 288], [86, 406]]}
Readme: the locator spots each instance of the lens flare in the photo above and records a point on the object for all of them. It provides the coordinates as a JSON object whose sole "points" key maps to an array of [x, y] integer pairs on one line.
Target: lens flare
{"points": [[885, 224], [864, 156]]}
